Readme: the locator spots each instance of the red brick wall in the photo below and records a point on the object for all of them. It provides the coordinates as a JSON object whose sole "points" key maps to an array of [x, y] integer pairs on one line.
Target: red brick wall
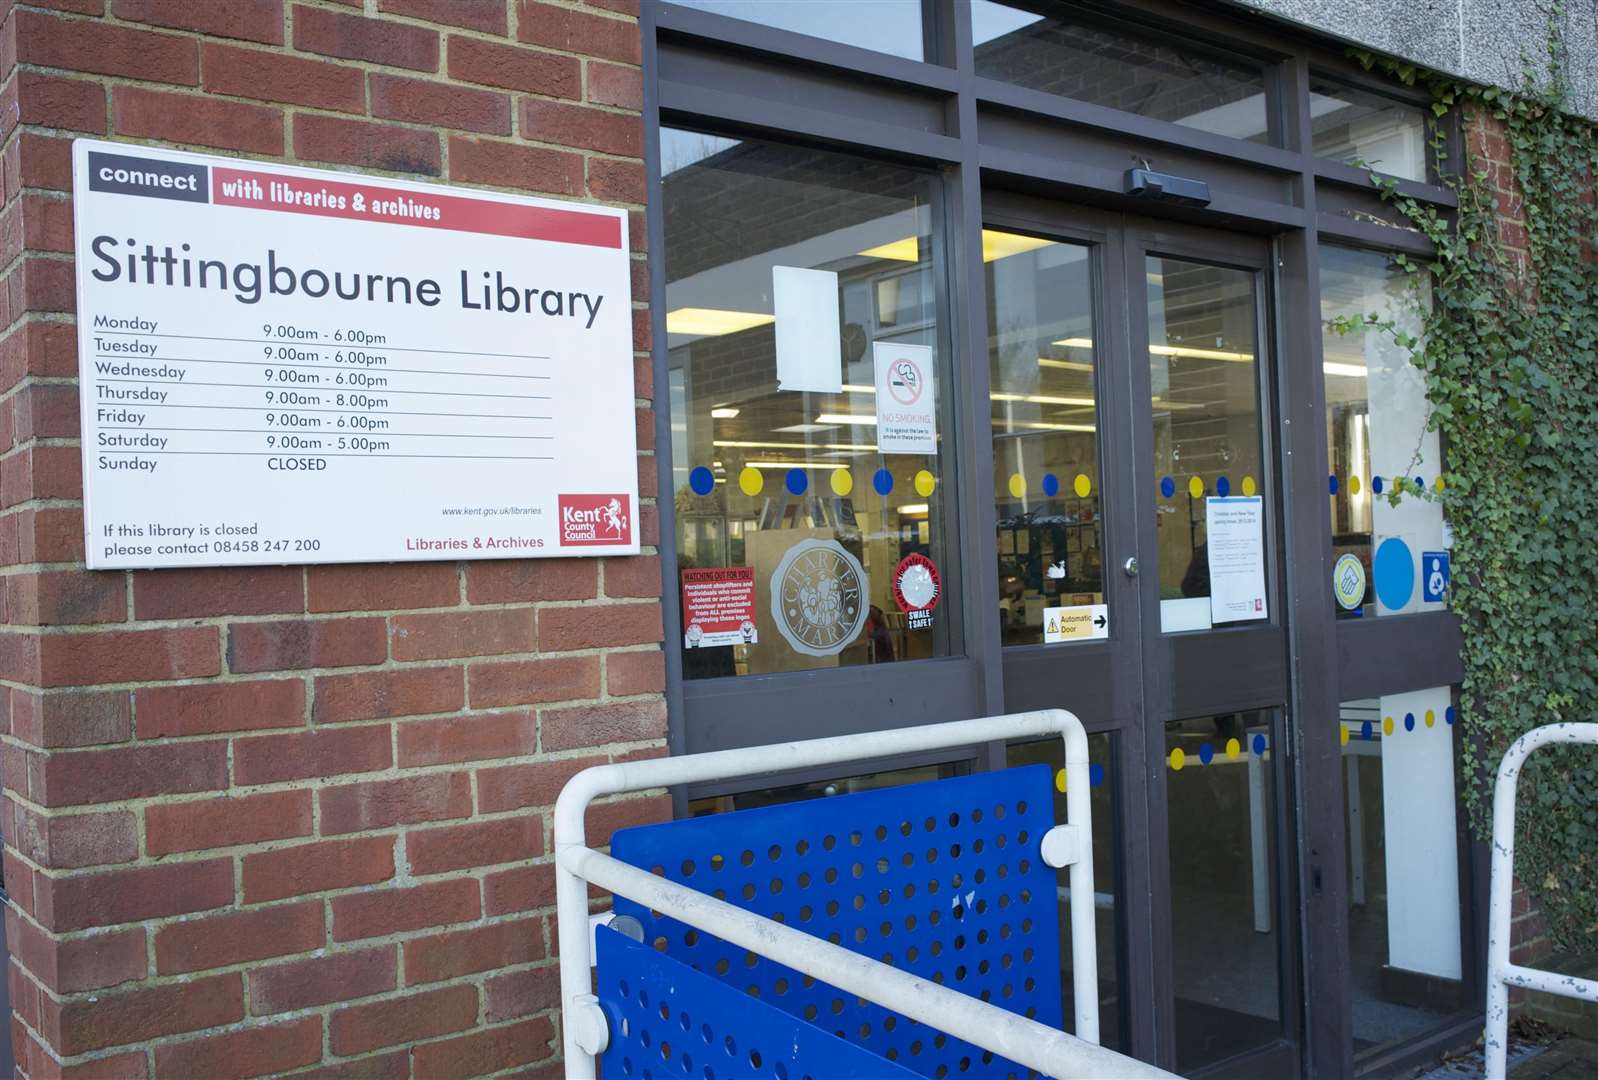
{"points": [[260, 820]]}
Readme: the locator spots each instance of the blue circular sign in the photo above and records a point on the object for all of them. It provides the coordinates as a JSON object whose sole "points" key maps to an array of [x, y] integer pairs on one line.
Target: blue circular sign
{"points": [[1394, 568], [797, 481], [701, 481], [882, 480], [1051, 485], [1167, 487]]}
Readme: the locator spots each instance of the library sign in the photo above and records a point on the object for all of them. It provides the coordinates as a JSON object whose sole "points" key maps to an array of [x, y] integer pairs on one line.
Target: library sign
{"points": [[283, 365]]}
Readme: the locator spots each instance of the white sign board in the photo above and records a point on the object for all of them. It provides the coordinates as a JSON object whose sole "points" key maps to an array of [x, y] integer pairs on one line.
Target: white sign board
{"points": [[1235, 533], [283, 365], [906, 401], [1085, 622]]}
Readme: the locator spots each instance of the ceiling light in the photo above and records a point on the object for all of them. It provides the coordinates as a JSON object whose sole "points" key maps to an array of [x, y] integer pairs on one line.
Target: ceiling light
{"points": [[856, 388], [1038, 425], [742, 445], [846, 418], [805, 429], [724, 413], [711, 322], [1041, 399], [1074, 343], [792, 464], [1182, 352], [915, 508], [1175, 406], [906, 250], [1353, 371], [1001, 245], [1064, 365]]}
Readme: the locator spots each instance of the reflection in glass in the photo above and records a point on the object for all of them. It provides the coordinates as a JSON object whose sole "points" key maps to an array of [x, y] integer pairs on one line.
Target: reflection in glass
{"points": [[788, 270], [1403, 869], [1051, 753], [1045, 446], [1220, 791], [1062, 53], [1204, 367], [886, 26], [817, 789], [1376, 436], [1352, 126]]}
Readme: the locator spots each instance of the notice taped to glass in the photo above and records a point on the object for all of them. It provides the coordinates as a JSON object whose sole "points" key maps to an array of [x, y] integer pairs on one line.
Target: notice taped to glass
{"points": [[284, 365]]}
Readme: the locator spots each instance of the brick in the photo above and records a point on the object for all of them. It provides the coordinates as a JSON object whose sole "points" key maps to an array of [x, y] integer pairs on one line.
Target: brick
{"points": [[619, 181], [382, 587], [47, 224], [356, 37], [382, 804], [65, 598], [509, 581], [370, 695], [250, 20], [524, 888], [407, 1019], [591, 725], [128, 656], [133, 895], [394, 1066], [99, 962], [138, 1016], [567, 124], [377, 912], [482, 948], [514, 68], [418, 101], [526, 682], [451, 634], [56, 535], [485, 1051], [598, 626], [230, 590], [635, 673], [309, 868], [41, 472], [271, 759], [605, 818], [478, 843], [521, 993], [73, 841], [239, 937], [637, 576], [301, 984], [575, 31], [534, 783], [374, 146], [226, 821], [53, 101], [505, 164], [306, 643], [254, 1051], [489, 16], [208, 708], [197, 120], [472, 737], [615, 84], [105, 49], [273, 76], [134, 772]]}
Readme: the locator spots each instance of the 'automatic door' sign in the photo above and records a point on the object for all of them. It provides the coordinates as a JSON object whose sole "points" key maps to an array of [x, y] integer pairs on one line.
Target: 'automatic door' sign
{"points": [[284, 365]]}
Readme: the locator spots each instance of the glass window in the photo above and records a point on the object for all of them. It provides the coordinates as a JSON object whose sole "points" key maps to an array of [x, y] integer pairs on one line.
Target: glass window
{"points": [[1388, 559], [1052, 753], [1403, 863], [1075, 57], [1045, 446], [887, 26], [1204, 368], [817, 789], [1225, 945], [814, 529], [1356, 126]]}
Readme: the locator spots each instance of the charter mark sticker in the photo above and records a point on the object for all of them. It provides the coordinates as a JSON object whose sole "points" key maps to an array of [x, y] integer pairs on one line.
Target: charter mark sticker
{"points": [[818, 597]]}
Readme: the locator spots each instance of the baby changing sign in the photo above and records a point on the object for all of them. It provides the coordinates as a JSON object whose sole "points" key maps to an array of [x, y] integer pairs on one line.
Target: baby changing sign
{"points": [[284, 365]]}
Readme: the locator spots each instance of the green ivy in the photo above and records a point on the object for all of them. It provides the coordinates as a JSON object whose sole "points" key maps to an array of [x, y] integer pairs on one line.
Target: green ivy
{"points": [[1510, 354]]}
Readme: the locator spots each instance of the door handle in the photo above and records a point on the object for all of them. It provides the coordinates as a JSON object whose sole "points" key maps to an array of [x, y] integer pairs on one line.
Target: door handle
{"points": [[1130, 566]]}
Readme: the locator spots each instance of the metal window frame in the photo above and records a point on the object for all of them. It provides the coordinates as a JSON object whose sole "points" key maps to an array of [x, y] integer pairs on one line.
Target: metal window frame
{"points": [[740, 78]]}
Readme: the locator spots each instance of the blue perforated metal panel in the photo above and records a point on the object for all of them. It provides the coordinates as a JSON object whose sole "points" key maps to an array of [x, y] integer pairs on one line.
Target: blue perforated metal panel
{"points": [[668, 1021], [942, 879]]}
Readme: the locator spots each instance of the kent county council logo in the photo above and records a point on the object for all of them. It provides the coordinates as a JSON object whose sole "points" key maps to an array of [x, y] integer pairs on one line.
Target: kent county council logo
{"points": [[594, 520], [817, 597]]}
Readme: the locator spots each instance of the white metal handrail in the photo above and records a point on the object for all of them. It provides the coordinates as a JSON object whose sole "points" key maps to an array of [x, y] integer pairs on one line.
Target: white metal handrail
{"points": [[1049, 1051], [1501, 973]]}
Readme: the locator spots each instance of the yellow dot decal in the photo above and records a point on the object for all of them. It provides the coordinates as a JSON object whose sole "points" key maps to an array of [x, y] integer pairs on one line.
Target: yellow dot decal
{"points": [[842, 481], [1342, 734], [1387, 725], [1195, 487], [1248, 485], [1438, 484], [1178, 759], [1431, 718], [751, 480], [1017, 485], [1233, 748], [925, 482], [1082, 485], [1059, 781], [1353, 485]]}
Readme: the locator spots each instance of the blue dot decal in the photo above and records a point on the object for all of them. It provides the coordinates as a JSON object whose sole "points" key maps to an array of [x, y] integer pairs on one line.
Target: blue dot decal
{"points": [[1051, 485], [1394, 568], [1206, 753], [1331, 485], [701, 481], [1376, 484], [797, 481], [1420, 485], [1223, 487], [1366, 731], [1168, 487], [1259, 744], [1095, 774], [882, 480], [1409, 721], [1448, 715]]}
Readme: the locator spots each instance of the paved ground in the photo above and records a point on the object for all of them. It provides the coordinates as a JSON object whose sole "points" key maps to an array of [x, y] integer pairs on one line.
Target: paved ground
{"points": [[1562, 1059]]}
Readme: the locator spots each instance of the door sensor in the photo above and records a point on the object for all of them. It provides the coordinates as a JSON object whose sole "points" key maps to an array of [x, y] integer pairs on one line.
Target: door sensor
{"points": [[1148, 184]]}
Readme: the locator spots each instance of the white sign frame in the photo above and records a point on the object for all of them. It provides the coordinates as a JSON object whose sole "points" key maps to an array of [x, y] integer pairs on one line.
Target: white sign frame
{"points": [[907, 414]]}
